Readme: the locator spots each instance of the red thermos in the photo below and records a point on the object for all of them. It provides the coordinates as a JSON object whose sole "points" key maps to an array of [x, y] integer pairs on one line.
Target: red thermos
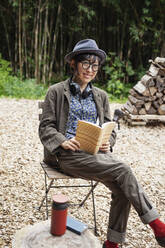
{"points": [[59, 214]]}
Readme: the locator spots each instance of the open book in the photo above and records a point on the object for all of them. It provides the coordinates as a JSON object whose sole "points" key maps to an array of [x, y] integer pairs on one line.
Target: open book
{"points": [[91, 136]]}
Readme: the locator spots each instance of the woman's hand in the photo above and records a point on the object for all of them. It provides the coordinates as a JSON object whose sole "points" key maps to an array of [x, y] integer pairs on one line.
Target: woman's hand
{"points": [[105, 147], [71, 144]]}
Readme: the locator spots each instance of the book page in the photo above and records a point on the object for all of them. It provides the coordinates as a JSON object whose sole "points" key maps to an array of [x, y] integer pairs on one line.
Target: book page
{"points": [[107, 130]]}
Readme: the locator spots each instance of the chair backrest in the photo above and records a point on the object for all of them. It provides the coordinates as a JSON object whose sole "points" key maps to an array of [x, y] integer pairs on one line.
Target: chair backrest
{"points": [[40, 107]]}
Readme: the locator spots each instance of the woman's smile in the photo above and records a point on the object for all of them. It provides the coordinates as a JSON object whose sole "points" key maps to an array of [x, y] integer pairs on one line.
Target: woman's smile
{"points": [[87, 75]]}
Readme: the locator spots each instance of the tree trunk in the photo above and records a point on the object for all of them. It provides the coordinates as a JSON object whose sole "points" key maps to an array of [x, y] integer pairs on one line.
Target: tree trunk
{"points": [[20, 37], [55, 38], [24, 47], [16, 47], [36, 42], [40, 49], [32, 46], [7, 39], [44, 74], [61, 52], [163, 50], [123, 32]]}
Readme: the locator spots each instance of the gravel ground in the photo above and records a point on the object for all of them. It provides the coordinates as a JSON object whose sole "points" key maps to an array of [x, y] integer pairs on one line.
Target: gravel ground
{"points": [[22, 180]]}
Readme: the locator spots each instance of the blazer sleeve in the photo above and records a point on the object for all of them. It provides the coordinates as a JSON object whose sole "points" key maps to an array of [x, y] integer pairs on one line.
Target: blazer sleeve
{"points": [[48, 133], [107, 117]]}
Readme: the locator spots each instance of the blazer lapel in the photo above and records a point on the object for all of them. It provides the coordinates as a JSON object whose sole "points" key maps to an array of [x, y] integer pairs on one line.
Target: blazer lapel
{"points": [[97, 99]]}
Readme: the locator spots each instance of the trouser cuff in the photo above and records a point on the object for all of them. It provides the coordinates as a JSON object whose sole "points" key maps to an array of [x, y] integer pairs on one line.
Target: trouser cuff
{"points": [[149, 216], [115, 236]]}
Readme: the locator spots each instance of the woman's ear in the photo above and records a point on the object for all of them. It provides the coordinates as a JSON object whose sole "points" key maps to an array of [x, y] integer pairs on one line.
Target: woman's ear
{"points": [[72, 65]]}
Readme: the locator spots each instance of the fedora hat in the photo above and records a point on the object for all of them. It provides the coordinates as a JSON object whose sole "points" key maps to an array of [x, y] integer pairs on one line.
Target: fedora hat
{"points": [[88, 46]]}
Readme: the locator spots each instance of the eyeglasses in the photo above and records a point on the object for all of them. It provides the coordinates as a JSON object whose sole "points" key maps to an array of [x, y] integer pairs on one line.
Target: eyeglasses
{"points": [[86, 65]]}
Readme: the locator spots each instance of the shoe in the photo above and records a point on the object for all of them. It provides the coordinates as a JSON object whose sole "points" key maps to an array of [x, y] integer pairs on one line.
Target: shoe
{"points": [[161, 241], [159, 230], [108, 244]]}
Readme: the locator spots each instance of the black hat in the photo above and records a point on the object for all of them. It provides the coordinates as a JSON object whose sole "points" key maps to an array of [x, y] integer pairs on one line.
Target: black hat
{"points": [[88, 46]]}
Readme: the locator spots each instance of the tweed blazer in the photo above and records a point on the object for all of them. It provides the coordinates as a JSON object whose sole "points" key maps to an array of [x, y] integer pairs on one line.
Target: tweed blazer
{"points": [[55, 114]]}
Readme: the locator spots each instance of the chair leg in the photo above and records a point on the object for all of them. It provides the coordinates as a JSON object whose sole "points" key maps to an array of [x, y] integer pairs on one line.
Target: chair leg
{"points": [[46, 194], [93, 186], [91, 190], [45, 198], [94, 209]]}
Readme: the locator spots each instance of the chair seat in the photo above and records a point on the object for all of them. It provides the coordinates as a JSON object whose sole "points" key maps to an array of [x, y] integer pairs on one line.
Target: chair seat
{"points": [[53, 173]]}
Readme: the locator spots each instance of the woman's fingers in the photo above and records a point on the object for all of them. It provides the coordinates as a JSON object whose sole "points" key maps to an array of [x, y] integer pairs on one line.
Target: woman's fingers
{"points": [[71, 144], [105, 147]]}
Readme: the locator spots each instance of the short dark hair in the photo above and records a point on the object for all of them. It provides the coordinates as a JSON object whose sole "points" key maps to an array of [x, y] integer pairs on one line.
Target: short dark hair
{"points": [[81, 57]]}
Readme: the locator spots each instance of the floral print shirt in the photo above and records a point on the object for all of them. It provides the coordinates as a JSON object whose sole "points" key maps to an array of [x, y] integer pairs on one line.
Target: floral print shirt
{"points": [[81, 108]]}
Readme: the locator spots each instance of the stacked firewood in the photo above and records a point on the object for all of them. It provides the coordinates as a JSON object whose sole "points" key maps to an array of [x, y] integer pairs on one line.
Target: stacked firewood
{"points": [[147, 97]]}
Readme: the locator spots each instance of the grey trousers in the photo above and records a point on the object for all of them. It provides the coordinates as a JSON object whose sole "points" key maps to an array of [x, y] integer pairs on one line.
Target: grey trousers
{"points": [[118, 177]]}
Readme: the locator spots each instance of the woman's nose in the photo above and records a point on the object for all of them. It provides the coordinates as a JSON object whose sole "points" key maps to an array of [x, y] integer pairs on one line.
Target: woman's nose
{"points": [[90, 68]]}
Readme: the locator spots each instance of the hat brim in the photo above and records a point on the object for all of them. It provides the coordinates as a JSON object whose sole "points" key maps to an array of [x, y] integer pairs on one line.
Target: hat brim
{"points": [[100, 53]]}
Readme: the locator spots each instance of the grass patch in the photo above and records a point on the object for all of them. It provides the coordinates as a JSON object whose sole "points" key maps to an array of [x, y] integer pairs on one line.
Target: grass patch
{"points": [[28, 89], [12, 86], [117, 100]]}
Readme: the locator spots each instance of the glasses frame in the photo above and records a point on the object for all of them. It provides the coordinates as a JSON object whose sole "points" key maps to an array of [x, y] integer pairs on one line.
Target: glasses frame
{"points": [[85, 67]]}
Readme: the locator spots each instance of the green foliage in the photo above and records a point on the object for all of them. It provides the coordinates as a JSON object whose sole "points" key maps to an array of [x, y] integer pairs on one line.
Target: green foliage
{"points": [[135, 33], [24, 89], [89, 13], [117, 72], [12, 86], [5, 74]]}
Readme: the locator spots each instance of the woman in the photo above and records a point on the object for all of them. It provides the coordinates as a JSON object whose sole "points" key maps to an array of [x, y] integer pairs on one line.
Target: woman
{"points": [[67, 102]]}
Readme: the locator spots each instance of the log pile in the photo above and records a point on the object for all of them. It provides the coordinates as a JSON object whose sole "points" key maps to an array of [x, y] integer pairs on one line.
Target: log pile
{"points": [[147, 97]]}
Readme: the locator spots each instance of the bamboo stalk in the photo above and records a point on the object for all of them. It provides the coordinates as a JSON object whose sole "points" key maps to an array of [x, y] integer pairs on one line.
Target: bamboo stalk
{"points": [[55, 38], [20, 36]]}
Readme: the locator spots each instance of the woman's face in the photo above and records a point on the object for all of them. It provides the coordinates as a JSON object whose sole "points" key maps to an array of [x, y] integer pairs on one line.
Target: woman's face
{"points": [[87, 70]]}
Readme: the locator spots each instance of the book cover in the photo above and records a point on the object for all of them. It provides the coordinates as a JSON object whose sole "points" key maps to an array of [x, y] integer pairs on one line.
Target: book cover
{"points": [[91, 136], [75, 225]]}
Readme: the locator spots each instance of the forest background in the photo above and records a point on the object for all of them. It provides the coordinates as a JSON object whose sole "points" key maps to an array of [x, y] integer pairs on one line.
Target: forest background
{"points": [[35, 35]]}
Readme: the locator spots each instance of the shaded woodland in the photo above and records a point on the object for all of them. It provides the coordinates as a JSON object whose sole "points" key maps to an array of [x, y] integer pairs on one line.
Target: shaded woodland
{"points": [[36, 34]]}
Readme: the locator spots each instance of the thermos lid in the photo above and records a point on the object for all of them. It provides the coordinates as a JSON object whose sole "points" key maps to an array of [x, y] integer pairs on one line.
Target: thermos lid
{"points": [[60, 198]]}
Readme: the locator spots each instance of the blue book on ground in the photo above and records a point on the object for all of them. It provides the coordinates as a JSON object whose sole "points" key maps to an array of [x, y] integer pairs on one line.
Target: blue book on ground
{"points": [[75, 225]]}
